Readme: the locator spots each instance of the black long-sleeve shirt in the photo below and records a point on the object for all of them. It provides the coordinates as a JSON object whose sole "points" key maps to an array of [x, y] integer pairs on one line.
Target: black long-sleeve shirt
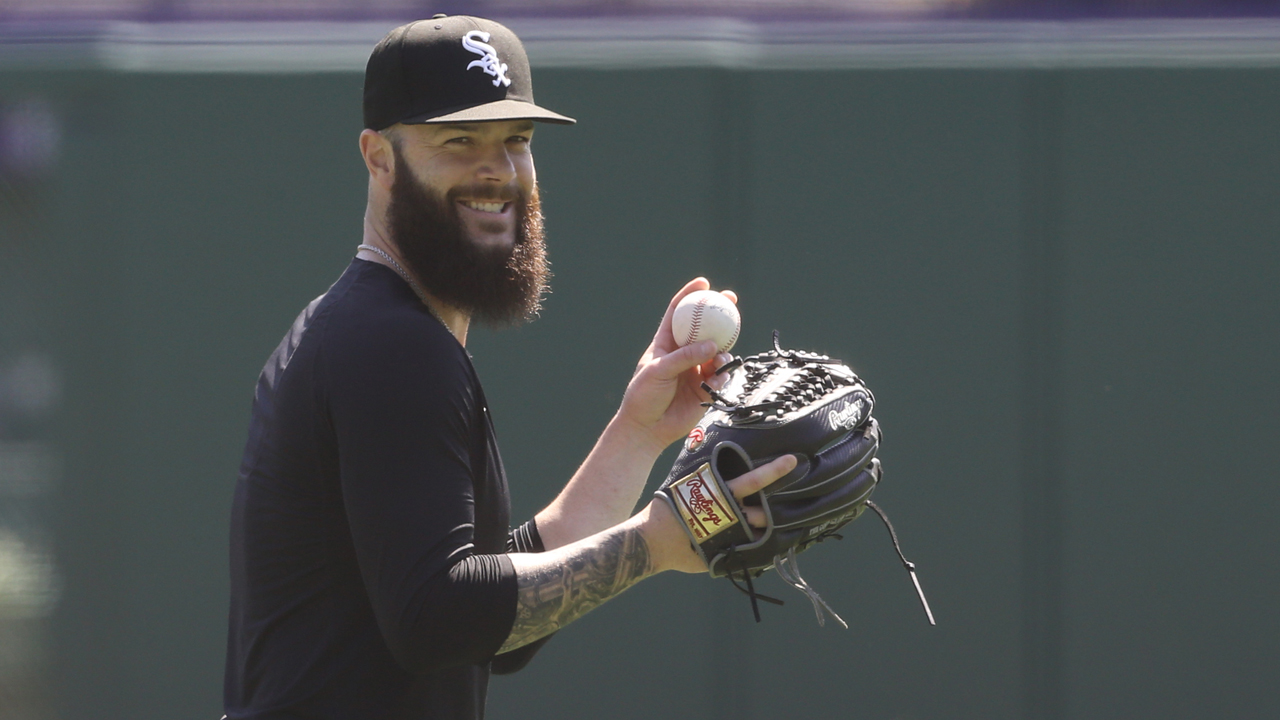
{"points": [[370, 519]]}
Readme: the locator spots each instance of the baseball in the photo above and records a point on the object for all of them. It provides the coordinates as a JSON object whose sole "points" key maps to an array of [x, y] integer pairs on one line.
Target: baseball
{"points": [[706, 315]]}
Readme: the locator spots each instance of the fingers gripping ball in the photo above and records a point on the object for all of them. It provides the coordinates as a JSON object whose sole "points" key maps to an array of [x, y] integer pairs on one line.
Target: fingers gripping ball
{"points": [[706, 315]]}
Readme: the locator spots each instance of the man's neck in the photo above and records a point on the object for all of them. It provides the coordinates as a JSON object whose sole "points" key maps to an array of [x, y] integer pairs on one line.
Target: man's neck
{"points": [[457, 321]]}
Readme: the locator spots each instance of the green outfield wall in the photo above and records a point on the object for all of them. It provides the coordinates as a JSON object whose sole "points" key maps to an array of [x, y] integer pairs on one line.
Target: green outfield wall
{"points": [[1061, 284]]}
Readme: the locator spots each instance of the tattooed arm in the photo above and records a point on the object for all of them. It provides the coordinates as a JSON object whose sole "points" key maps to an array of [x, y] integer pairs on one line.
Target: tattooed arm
{"points": [[562, 585]]}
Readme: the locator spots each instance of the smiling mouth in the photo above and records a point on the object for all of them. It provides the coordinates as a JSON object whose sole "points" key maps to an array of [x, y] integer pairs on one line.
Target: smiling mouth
{"points": [[496, 208]]}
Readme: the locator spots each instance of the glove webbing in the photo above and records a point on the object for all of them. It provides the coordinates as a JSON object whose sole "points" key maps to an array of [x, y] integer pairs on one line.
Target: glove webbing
{"points": [[744, 412], [799, 355]]}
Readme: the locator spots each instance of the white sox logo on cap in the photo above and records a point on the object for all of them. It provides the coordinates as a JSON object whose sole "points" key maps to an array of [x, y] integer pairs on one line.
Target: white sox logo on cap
{"points": [[477, 41]]}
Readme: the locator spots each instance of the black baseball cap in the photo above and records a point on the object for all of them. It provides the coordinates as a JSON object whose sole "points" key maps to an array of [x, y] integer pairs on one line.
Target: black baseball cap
{"points": [[450, 69]]}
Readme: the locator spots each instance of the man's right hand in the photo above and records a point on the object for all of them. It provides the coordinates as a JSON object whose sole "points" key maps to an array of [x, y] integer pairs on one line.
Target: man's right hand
{"points": [[664, 399], [662, 403]]}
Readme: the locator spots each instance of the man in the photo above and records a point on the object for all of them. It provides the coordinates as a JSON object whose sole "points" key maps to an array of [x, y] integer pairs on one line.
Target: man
{"points": [[373, 570]]}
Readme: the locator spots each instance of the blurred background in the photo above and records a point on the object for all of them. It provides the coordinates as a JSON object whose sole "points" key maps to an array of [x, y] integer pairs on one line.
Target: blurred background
{"points": [[1045, 232]]}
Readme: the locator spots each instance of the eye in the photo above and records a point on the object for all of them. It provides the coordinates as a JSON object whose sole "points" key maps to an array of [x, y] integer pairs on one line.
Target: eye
{"points": [[462, 140], [524, 139]]}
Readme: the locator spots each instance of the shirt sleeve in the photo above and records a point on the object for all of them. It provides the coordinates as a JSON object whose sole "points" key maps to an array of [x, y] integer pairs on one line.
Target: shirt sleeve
{"points": [[524, 539], [403, 405]]}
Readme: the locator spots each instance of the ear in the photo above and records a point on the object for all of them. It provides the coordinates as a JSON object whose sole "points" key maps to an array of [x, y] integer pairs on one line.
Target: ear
{"points": [[378, 157]]}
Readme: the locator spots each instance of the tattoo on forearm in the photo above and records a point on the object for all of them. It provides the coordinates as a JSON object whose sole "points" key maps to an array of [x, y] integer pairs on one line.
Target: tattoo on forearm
{"points": [[554, 595]]}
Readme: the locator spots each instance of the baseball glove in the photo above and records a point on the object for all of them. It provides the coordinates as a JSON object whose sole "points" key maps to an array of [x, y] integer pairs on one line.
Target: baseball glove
{"points": [[777, 403]]}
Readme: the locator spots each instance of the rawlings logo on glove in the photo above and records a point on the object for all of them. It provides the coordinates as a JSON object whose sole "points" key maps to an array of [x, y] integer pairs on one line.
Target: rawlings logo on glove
{"points": [[702, 504], [848, 418], [696, 436]]}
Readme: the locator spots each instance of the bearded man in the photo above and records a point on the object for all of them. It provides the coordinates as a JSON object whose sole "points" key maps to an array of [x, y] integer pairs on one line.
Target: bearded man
{"points": [[374, 572]]}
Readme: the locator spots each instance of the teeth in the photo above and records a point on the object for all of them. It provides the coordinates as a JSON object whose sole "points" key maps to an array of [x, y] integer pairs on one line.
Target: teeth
{"points": [[495, 207]]}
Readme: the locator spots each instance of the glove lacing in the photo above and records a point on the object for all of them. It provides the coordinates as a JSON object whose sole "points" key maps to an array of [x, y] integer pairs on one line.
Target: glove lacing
{"points": [[750, 589], [789, 570], [910, 566], [743, 413]]}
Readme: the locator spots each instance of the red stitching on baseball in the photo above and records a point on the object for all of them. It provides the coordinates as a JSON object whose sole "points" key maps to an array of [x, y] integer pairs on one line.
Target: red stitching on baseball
{"points": [[696, 321]]}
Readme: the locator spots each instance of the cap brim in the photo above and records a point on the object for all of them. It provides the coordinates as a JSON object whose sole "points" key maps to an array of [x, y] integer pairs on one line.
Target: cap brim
{"points": [[497, 110]]}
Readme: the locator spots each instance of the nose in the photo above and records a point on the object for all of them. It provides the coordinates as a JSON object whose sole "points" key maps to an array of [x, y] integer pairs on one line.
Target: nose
{"points": [[497, 166]]}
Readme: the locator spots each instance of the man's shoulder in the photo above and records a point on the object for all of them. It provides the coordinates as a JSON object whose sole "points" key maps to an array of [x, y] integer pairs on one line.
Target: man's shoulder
{"points": [[371, 321]]}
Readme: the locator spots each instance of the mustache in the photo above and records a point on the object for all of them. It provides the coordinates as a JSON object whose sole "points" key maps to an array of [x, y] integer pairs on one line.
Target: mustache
{"points": [[510, 192]]}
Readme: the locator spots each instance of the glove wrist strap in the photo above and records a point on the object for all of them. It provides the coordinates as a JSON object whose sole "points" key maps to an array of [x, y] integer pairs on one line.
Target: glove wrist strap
{"points": [[706, 509]]}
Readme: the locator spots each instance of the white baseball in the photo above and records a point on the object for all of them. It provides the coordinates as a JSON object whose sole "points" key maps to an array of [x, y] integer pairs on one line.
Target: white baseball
{"points": [[706, 315]]}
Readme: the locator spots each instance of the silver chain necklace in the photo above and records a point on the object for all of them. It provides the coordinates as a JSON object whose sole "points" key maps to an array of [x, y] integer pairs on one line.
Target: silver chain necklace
{"points": [[413, 284]]}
